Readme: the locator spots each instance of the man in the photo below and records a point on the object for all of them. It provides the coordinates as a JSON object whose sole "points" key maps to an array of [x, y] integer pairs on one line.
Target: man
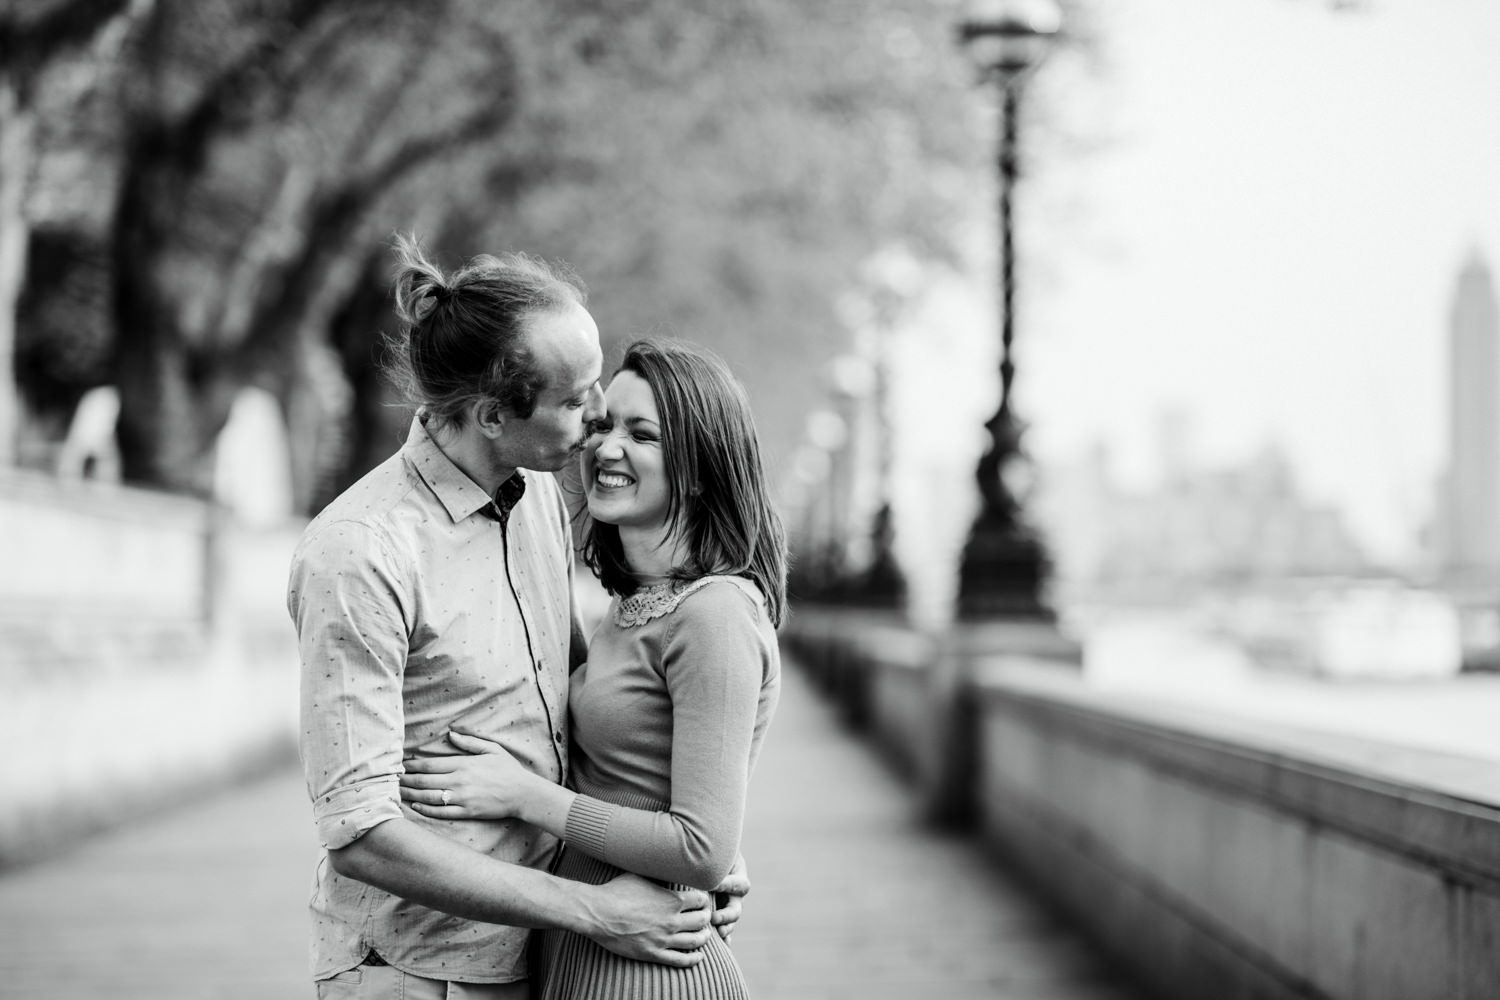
{"points": [[437, 592]]}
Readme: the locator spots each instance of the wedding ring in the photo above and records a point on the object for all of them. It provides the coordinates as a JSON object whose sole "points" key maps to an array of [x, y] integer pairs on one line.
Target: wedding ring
{"points": [[447, 795]]}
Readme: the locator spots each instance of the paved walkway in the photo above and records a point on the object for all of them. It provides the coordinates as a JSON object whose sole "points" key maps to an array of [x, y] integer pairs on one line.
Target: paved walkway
{"points": [[852, 897]]}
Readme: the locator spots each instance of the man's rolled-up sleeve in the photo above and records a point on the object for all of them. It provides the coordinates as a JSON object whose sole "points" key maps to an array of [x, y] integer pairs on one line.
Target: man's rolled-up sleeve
{"points": [[351, 611]]}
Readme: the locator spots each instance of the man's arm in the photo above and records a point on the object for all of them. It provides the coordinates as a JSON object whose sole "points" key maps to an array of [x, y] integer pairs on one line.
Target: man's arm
{"points": [[348, 598], [628, 915]]}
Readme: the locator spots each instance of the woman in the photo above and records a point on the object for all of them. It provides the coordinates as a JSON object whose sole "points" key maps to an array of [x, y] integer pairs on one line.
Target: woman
{"points": [[670, 710]]}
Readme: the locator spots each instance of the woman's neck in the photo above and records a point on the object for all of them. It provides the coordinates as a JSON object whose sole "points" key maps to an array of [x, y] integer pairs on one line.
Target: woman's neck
{"points": [[650, 554]]}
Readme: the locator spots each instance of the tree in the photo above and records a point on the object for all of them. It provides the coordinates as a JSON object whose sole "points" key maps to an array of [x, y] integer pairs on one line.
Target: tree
{"points": [[34, 39], [725, 171], [258, 153], [716, 173]]}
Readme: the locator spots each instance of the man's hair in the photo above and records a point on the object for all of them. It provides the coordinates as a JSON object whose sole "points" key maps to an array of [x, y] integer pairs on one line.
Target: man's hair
{"points": [[716, 481], [463, 335]]}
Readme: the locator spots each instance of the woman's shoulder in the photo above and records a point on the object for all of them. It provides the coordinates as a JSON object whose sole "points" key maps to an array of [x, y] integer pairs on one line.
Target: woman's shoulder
{"points": [[722, 590]]}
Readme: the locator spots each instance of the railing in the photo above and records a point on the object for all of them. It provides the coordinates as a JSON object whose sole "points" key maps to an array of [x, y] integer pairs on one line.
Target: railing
{"points": [[1215, 857]]}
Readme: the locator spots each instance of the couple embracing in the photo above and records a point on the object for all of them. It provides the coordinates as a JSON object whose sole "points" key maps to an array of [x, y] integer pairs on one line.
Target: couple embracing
{"points": [[506, 808]]}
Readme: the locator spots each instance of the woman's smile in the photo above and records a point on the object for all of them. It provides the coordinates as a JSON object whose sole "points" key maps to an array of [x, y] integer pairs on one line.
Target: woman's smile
{"points": [[611, 480]]}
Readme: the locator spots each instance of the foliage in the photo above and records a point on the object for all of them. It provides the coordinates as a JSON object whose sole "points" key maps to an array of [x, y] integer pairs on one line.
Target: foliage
{"points": [[739, 169], [716, 172]]}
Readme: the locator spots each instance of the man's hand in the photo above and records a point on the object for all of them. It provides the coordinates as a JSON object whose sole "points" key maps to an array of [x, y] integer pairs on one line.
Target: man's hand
{"points": [[639, 919], [727, 897]]}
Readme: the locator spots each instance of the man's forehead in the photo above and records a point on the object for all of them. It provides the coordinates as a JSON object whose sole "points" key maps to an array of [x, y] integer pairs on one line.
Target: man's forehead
{"points": [[583, 371], [566, 347]]}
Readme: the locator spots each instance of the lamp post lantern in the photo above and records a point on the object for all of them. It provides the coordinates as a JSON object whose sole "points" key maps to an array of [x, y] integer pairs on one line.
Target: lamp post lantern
{"points": [[1004, 564]]}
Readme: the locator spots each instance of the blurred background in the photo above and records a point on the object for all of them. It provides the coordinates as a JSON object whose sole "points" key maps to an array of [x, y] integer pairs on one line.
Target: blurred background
{"points": [[1235, 257]]}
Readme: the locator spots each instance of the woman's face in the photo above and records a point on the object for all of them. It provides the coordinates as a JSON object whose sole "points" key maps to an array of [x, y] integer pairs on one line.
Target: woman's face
{"points": [[624, 467]]}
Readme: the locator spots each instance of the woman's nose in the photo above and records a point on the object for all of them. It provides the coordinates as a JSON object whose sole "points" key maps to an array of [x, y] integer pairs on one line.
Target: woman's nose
{"points": [[608, 445]]}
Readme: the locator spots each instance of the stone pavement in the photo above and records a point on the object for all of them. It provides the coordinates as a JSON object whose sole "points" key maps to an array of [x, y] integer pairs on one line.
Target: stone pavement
{"points": [[852, 898]]}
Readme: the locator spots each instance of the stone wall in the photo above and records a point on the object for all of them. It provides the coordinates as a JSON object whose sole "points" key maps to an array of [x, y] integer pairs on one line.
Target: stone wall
{"points": [[145, 655], [1215, 856]]}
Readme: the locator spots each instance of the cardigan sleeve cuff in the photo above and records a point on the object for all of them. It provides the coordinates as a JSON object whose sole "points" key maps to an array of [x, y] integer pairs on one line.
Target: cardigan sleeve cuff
{"points": [[588, 824]]}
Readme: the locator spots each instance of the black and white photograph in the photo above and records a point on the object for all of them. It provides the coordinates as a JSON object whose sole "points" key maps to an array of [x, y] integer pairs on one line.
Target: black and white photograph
{"points": [[775, 499]]}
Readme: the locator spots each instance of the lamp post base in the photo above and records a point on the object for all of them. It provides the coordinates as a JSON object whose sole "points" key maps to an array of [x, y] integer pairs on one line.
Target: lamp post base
{"points": [[949, 773], [882, 584], [1003, 571]]}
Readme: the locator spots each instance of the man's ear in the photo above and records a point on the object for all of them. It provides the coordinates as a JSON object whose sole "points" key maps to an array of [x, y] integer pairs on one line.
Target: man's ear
{"points": [[489, 417]]}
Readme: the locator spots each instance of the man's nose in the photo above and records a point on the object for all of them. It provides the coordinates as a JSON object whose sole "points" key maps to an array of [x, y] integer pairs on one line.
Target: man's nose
{"points": [[594, 409]]}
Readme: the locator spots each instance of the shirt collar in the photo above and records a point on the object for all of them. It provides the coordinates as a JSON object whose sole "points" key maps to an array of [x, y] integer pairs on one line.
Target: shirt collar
{"points": [[459, 495], [507, 496]]}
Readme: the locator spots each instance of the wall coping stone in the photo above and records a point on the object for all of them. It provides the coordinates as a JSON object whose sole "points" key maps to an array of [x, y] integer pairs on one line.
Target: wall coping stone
{"points": [[1440, 808], [102, 499]]}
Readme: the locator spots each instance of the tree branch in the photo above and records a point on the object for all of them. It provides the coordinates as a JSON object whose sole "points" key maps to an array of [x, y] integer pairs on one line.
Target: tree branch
{"points": [[65, 25], [222, 106], [337, 216]]}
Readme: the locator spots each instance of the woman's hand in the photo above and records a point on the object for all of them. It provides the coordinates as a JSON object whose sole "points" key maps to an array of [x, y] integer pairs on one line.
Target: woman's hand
{"points": [[729, 896], [483, 782]]}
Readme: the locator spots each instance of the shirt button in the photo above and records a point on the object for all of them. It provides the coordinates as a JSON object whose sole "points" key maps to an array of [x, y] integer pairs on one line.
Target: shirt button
{"points": [[557, 736]]}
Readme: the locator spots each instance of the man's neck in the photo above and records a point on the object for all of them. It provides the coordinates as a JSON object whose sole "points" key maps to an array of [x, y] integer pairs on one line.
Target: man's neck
{"points": [[474, 455]]}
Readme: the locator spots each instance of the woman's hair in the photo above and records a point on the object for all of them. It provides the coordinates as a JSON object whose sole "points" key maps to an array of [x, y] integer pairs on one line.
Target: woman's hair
{"points": [[716, 482], [462, 339]]}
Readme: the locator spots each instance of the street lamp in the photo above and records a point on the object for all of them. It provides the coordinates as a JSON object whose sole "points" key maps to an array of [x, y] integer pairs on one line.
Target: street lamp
{"points": [[891, 278], [827, 434], [1004, 564]]}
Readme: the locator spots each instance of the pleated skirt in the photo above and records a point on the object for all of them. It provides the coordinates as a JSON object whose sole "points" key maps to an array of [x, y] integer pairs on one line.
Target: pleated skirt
{"points": [[567, 966]]}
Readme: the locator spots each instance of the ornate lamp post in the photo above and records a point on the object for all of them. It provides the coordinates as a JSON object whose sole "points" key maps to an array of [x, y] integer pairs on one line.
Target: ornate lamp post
{"points": [[827, 434], [891, 278], [1004, 563]]}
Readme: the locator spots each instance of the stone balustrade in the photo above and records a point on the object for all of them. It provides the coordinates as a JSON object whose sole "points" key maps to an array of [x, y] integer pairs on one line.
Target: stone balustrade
{"points": [[1216, 856]]}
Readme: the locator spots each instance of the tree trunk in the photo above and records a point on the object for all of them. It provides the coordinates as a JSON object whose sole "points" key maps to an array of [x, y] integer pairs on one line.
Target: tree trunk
{"points": [[17, 133], [171, 414], [175, 395], [379, 417], [316, 402]]}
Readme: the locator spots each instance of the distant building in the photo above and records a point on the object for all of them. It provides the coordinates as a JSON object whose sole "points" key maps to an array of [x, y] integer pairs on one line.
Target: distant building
{"points": [[1199, 526], [1467, 528]]}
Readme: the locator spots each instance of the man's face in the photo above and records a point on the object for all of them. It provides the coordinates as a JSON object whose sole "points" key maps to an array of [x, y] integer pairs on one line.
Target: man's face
{"points": [[565, 342]]}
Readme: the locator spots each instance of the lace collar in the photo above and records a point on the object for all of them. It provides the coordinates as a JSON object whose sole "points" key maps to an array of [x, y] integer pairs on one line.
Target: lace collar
{"points": [[659, 599]]}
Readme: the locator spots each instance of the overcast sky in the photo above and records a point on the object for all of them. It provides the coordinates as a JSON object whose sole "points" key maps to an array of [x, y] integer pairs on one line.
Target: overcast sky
{"points": [[1268, 239]]}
